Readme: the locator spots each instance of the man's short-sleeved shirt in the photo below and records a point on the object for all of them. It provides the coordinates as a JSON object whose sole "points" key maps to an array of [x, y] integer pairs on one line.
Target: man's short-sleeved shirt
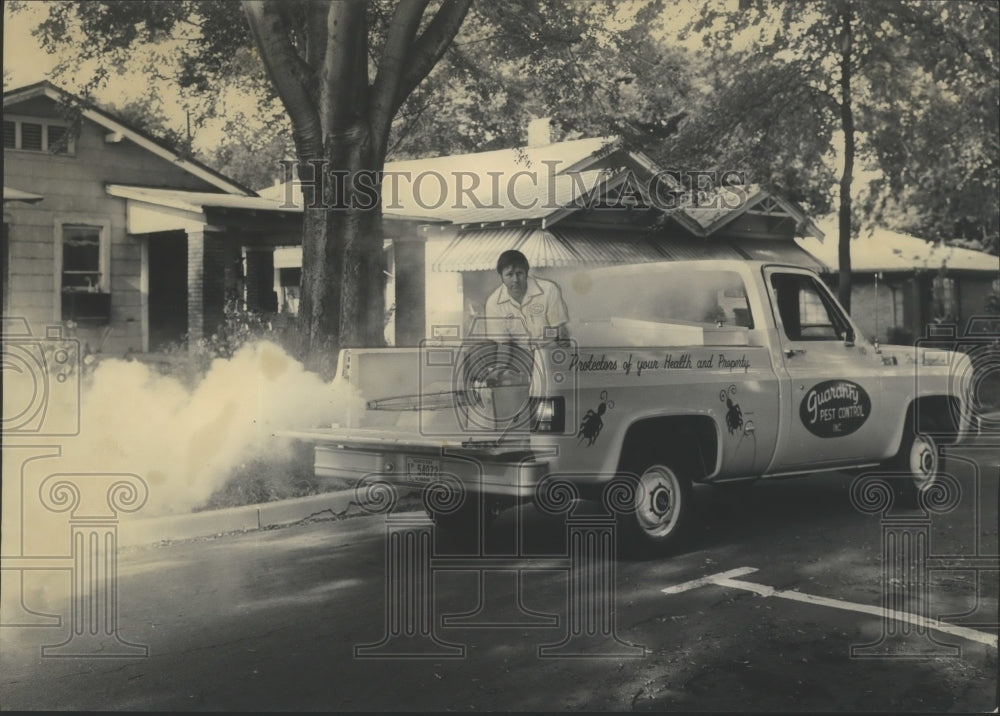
{"points": [[542, 307]]}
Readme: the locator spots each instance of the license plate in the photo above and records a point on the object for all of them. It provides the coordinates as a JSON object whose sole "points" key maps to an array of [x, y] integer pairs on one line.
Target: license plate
{"points": [[422, 469]]}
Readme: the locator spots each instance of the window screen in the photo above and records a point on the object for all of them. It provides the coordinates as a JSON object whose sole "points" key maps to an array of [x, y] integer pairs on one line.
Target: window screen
{"points": [[31, 136], [81, 258]]}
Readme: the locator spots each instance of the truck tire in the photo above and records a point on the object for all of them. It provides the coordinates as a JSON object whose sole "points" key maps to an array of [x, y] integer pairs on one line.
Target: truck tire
{"points": [[919, 459], [662, 509]]}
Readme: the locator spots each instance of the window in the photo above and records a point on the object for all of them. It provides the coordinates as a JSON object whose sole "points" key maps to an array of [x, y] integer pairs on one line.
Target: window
{"points": [[81, 258], [944, 299], [31, 136], [37, 135], [83, 283], [58, 138], [807, 311]]}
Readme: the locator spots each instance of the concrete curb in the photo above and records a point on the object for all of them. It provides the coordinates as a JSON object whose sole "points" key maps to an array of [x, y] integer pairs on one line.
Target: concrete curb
{"points": [[331, 505]]}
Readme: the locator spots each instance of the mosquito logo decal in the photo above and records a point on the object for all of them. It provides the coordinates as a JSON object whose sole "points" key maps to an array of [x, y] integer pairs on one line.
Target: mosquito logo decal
{"points": [[590, 426], [734, 415]]}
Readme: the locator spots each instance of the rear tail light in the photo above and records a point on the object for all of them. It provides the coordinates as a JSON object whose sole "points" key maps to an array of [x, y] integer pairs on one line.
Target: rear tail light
{"points": [[549, 415]]}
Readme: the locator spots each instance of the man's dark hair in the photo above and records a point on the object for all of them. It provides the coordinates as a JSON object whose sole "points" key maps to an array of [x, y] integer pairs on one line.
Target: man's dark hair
{"points": [[512, 257]]}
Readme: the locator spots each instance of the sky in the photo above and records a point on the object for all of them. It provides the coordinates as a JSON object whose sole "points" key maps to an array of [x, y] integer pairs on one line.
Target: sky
{"points": [[25, 62]]}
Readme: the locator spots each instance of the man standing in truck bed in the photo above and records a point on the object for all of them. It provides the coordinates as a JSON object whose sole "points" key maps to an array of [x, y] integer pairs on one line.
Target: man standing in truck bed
{"points": [[523, 307]]}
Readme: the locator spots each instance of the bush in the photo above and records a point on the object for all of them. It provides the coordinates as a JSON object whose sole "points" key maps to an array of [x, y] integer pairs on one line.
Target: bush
{"points": [[270, 478]]}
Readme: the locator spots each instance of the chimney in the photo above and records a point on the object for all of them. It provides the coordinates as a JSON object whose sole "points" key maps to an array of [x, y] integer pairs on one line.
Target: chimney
{"points": [[539, 131]]}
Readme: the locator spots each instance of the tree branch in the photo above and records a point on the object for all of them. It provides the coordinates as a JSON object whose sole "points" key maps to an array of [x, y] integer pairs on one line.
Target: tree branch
{"points": [[399, 39], [316, 35], [345, 76], [431, 46], [284, 68]]}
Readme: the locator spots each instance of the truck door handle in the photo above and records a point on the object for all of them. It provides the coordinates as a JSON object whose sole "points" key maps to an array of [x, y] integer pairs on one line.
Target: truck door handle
{"points": [[789, 352]]}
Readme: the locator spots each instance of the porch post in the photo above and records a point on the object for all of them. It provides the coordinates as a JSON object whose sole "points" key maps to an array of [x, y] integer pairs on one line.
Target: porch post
{"points": [[206, 283]]}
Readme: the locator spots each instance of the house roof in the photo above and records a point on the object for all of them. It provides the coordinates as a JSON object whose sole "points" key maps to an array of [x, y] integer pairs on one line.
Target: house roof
{"points": [[754, 200], [539, 185], [196, 202], [114, 124], [520, 184], [881, 249]]}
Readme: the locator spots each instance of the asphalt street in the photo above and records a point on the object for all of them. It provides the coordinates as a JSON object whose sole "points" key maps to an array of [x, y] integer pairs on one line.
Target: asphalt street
{"points": [[297, 618]]}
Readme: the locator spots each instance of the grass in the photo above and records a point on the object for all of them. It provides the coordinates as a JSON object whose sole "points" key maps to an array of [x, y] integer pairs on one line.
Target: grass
{"points": [[268, 479]]}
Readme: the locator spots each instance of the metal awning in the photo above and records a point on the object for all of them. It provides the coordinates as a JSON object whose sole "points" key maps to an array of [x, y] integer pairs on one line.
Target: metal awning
{"points": [[478, 249], [614, 248]]}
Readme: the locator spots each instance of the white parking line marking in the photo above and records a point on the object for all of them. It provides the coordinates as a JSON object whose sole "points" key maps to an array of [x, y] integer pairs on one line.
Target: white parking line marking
{"points": [[710, 579], [725, 579]]}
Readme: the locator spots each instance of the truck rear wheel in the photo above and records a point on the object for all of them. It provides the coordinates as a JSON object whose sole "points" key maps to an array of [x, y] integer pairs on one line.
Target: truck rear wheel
{"points": [[662, 508]]}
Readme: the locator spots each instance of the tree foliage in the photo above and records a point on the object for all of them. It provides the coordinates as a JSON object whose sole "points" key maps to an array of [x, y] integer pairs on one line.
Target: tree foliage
{"points": [[906, 88], [357, 80]]}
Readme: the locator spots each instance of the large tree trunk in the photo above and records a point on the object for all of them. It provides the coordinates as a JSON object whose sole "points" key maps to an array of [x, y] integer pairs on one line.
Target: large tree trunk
{"points": [[846, 178], [359, 227], [341, 124], [343, 294]]}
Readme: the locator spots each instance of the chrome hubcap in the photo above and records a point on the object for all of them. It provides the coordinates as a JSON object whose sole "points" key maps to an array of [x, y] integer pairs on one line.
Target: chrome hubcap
{"points": [[658, 501], [923, 462]]}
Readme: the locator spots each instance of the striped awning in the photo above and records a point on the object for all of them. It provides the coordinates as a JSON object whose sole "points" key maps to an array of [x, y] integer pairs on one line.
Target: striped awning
{"points": [[610, 248], [478, 249]]}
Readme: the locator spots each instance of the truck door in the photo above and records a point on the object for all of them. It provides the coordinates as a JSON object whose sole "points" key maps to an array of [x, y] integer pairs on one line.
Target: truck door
{"points": [[830, 378]]}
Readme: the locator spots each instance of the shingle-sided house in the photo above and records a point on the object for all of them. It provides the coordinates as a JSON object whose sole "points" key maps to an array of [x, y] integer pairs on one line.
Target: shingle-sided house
{"points": [[130, 245], [565, 205], [74, 255]]}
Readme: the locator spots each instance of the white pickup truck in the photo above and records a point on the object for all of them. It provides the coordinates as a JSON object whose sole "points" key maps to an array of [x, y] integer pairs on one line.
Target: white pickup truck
{"points": [[718, 372]]}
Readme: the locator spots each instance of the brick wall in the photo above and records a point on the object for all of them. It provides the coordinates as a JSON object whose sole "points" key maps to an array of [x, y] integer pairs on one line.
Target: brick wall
{"points": [[206, 284]]}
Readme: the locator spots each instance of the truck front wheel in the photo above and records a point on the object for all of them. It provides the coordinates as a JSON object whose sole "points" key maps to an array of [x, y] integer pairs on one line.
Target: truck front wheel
{"points": [[919, 458], [662, 508]]}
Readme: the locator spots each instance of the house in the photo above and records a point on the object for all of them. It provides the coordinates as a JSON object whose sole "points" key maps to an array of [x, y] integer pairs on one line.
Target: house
{"points": [[900, 283], [72, 254], [565, 205], [130, 245]]}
